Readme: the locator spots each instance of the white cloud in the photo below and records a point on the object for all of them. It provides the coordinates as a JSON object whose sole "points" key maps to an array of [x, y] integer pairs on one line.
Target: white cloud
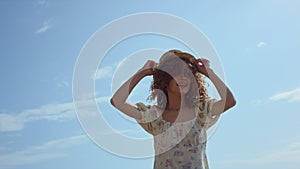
{"points": [[289, 155], [45, 27], [104, 72], [64, 83], [40, 3], [10, 122], [261, 44], [61, 143], [51, 112], [3, 149], [103, 99], [113, 132], [259, 102], [50, 150], [291, 96]]}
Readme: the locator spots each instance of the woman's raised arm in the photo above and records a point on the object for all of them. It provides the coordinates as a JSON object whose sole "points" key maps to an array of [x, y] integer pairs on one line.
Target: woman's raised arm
{"points": [[227, 99], [118, 100]]}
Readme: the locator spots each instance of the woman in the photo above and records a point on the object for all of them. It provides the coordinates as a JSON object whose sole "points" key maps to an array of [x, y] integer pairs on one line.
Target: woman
{"points": [[183, 111]]}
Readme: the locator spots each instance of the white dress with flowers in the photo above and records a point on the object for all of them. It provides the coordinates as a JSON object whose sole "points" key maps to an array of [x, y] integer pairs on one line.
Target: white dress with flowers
{"points": [[178, 145]]}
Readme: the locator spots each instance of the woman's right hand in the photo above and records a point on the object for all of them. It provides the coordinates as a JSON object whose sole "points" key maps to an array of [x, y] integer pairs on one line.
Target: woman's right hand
{"points": [[149, 67]]}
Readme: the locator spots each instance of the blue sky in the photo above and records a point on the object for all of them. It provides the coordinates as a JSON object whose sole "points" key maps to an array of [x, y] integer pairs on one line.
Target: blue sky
{"points": [[258, 46]]}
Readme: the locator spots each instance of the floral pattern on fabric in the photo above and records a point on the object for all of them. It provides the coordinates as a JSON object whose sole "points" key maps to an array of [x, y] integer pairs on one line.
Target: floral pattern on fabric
{"points": [[178, 145]]}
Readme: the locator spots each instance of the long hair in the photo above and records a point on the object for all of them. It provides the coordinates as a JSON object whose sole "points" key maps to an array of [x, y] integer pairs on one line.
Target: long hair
{"points": [[168, 65]]}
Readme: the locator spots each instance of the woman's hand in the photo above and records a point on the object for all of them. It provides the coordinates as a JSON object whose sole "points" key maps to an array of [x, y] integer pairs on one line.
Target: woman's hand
{"points": [[203, 66], [149, 67]]}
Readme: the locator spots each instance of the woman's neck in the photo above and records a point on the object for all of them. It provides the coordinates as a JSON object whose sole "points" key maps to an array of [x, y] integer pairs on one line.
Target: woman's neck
{"points": [[175, 102]]}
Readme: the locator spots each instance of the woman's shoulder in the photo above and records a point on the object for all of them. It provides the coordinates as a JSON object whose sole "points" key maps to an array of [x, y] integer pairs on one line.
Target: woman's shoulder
{"points": [[202, 104], [149, 112], [144, 107]]}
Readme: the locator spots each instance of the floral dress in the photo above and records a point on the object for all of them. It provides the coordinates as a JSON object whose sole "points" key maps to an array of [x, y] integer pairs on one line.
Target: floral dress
{"points": [[180, 145]]}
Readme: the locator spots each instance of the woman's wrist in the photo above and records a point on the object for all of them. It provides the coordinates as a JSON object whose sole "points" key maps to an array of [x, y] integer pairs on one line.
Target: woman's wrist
{"points": [[146, 72], [210, 72]]}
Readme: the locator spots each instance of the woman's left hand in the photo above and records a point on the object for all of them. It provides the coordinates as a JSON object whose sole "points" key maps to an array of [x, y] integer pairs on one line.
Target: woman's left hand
{"points": [[203, 66]]}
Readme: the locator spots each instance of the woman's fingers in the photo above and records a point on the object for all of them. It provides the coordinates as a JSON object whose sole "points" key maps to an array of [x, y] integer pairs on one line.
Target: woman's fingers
{"points": [[203, 62], [151, 64], [203, 65], [149, 67]]}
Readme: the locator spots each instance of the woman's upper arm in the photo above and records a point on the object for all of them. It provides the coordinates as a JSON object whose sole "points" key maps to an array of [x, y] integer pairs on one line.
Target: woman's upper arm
{"points": [[128, 109], [220, 106]]}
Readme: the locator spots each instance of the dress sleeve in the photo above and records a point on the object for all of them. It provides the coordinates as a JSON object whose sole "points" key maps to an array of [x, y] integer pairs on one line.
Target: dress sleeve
{"points": [[150, 120], [206, 119], [211, 119]]}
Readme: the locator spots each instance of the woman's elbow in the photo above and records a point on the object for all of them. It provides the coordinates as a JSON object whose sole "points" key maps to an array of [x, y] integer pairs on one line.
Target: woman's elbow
{"points": [[229, 104], [232, 102], [112, 102]]}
